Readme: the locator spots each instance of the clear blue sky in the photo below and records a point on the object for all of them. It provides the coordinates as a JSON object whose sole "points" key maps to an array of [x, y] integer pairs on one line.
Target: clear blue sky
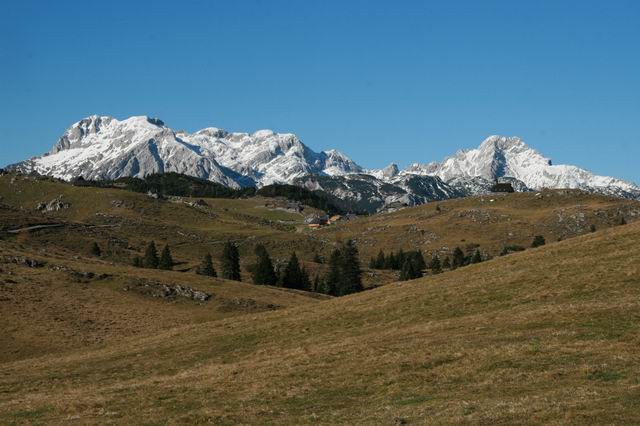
{"points": [[382, 81]]}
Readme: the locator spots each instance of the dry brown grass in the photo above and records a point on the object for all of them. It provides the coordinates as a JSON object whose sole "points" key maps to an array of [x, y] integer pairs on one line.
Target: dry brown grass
{"points": [[485, 222], [53, 309], [545, 336]]}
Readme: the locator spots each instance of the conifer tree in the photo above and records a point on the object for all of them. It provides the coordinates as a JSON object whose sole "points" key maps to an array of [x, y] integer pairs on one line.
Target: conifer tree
{"points": [[151, 256], [400, 259], [230, 262], [293, 276], [263, 272], [538, 241], [407, 271], [305, 282], [137, 261], [372, 263], [477, 257], [435, 265], [623, 221], [166, 261], [380, 260], [390, 261], [332, 279], [419, 262], [95, 250], [206, 267], [317, 258], [593, 228], [446, 264], [459, 258], [350, 272]]}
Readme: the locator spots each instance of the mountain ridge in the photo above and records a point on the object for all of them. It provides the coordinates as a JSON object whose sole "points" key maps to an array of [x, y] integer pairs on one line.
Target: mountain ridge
{"points": [[102, 148]]}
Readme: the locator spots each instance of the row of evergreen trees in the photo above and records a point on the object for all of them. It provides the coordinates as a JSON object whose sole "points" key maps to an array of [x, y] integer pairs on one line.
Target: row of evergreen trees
{"points": [[152, 260], [396, 261], [412, 264], [344, 275], [229, 263]]}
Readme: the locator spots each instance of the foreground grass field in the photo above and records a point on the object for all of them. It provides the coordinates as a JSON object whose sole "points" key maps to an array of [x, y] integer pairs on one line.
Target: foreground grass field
{"points": [[550, 335]]}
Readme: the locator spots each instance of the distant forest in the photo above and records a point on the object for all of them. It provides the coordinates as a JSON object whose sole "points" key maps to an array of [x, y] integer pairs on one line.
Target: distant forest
{"points": [[176, 184]]}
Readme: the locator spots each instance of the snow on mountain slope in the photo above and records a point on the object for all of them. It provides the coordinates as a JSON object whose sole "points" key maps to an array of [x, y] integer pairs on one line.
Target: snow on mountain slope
{"points": [[105, 148], [100, 147], [500, 156]]}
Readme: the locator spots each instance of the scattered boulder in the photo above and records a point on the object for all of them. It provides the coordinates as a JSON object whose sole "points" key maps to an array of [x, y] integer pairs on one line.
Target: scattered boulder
{"points": [[53, 206], [21, 260], [165, 291]]}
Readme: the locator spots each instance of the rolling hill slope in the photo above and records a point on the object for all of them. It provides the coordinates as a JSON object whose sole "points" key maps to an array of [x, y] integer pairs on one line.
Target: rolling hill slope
{"points": [[488, 223], [549, 335]]}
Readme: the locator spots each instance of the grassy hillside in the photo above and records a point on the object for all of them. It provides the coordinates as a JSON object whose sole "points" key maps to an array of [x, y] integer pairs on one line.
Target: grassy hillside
{"points": [[549, 335], [65, 304], [485, 222], [123, 222]]}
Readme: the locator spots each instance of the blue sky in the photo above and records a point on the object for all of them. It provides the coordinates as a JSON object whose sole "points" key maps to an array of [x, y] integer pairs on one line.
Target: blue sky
{"points": [[382, 81]]}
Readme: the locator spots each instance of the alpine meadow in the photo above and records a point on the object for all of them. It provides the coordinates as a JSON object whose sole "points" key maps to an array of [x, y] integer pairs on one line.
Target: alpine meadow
{"points": [[363, 241]]}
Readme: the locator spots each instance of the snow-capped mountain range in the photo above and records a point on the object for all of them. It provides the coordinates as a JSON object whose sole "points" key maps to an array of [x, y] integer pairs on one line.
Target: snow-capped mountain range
{"points": [[101, 147]]}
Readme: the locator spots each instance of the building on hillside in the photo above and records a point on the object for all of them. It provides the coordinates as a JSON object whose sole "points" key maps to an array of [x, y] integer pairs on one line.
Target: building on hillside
{"points": [[502, 187], [335, 218], [295, 207]]}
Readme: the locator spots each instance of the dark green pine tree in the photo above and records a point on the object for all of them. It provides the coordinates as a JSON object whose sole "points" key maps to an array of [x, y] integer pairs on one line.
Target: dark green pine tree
{"points": [[230, 262], [137, 261], [418, 260], [435, 265], [263, 272], [400, 258], [477, 257], [408, 271], [380, 260], [331, 281], [293, 276], [390, 261], [206, 267], [538, 241], [350, 272], [372, 263], [166, 261], [446, 264], [151, 256], [305, 281], [459, 258], [317, 258], [623, 221], [95, 250]]}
